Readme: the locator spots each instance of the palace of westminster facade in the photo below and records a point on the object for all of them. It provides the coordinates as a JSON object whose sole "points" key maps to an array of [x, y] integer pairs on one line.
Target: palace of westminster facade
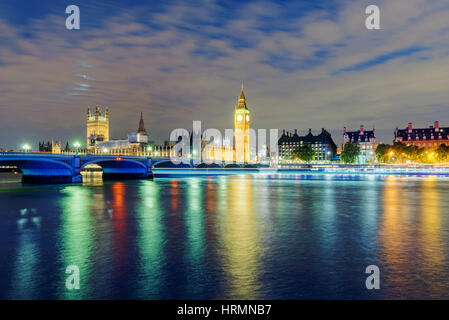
{"points": [[138, 143]]}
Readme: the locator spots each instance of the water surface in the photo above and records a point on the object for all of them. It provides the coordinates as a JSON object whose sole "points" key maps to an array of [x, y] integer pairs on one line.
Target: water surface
{"points": [[227, 237]]}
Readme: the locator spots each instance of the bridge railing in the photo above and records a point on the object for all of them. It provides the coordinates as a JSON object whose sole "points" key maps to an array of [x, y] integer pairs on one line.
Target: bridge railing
{"points": [[35, 154], [69, 155]]}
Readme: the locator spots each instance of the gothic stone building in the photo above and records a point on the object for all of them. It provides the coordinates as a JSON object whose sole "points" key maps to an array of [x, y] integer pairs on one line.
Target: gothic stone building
{"points": [[97, 125]]}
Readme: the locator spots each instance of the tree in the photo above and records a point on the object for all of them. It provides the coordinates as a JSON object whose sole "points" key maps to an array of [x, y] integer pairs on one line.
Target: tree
{"points": [[401, 151], [442, 153], [350, 152], [415, 153], [382, 152], [304, 153]]}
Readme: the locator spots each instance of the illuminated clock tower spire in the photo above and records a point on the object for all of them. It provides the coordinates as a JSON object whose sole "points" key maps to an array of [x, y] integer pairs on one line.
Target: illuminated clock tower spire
{"points": [[241, 129]]}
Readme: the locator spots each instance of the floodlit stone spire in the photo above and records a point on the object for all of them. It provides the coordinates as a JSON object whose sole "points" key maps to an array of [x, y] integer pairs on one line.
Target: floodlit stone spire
{"points": [[141, 129], [242, 99]]}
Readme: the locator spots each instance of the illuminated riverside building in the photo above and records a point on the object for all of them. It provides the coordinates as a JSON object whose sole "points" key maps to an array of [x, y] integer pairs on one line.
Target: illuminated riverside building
{"points": [[366, 140], [323, 145], [235, 150], [136, 144], [51, 147], [97, 125], [229, 150], [241, 129], [429, 138]]}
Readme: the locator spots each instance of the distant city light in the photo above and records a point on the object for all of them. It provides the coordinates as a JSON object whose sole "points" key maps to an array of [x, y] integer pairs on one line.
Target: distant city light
{"points": [[77, 145], [26, 147], [105, 150]]}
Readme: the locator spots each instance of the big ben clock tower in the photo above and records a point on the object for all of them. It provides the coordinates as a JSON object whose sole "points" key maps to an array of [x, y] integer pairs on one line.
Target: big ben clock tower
{"points": [[241, 129]]}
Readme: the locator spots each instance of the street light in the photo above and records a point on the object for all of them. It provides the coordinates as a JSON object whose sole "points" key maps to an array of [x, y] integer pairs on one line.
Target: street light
{"points": [[77, 145], [26, 147]]}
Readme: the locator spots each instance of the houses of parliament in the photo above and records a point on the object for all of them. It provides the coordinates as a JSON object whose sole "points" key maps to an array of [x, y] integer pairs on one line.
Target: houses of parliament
{"points": [[98, 139]]}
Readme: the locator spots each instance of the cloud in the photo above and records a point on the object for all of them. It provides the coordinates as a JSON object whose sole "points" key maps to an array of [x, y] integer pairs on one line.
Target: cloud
{"points": [[315, 67]]}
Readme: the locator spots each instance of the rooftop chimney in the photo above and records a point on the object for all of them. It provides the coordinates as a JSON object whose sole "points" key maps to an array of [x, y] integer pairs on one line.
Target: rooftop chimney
{"points": [[410, 127], [362, 129], [437, 126], [344, 130], [296, 131]]}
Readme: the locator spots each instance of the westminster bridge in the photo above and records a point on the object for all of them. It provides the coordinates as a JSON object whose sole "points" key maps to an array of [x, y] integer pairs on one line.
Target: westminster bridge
{"points": [[66, 168]]}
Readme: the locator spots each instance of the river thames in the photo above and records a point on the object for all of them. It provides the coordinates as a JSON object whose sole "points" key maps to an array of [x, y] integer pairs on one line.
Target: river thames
{"points": [[287, 236]]}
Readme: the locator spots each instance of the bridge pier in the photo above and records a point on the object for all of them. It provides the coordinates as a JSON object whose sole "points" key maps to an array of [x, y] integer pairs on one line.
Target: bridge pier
{"points": [[76, 165]]}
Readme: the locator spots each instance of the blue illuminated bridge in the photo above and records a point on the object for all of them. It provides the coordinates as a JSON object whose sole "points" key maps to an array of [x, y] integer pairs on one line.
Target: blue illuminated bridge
{"points": [[66, 168]]}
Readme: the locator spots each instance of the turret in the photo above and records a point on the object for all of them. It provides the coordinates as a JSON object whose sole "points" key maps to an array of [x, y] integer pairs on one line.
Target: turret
{"points": [[141, 129], [97, 112], [242, 100]]}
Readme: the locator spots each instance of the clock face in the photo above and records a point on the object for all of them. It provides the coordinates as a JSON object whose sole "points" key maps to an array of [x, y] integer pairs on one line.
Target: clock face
{"points": [[247, 118], [239, 118]]}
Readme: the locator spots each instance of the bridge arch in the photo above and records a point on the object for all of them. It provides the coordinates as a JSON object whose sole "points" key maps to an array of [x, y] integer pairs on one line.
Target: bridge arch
{"points": [[121, 164], [42, 165], [120, 169], [42, 170], [169, 164]]}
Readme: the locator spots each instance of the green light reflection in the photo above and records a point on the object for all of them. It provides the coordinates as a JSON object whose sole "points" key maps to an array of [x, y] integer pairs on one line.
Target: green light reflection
{"points": [[76, 236], [150, 241]]}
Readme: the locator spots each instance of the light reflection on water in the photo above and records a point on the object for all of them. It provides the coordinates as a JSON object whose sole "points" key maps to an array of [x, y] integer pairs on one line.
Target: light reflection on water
{"points": [[240, 237]]}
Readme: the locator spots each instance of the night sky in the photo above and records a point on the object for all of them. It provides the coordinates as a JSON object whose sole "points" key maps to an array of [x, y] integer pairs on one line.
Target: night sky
{"points": [[305, 64]]}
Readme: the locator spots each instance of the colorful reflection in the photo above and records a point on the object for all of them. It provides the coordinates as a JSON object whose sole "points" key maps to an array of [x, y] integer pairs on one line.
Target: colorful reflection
{"points": [[76, 234], [239, 237], [431, 240], [150, 241], [174, 195], [24, 284], [121, 237], [395, 233], [195, 236]]}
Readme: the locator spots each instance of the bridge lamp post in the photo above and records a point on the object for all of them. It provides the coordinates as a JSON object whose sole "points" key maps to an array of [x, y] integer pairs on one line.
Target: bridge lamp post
{"points": [[26, 147], [77, 145]]}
